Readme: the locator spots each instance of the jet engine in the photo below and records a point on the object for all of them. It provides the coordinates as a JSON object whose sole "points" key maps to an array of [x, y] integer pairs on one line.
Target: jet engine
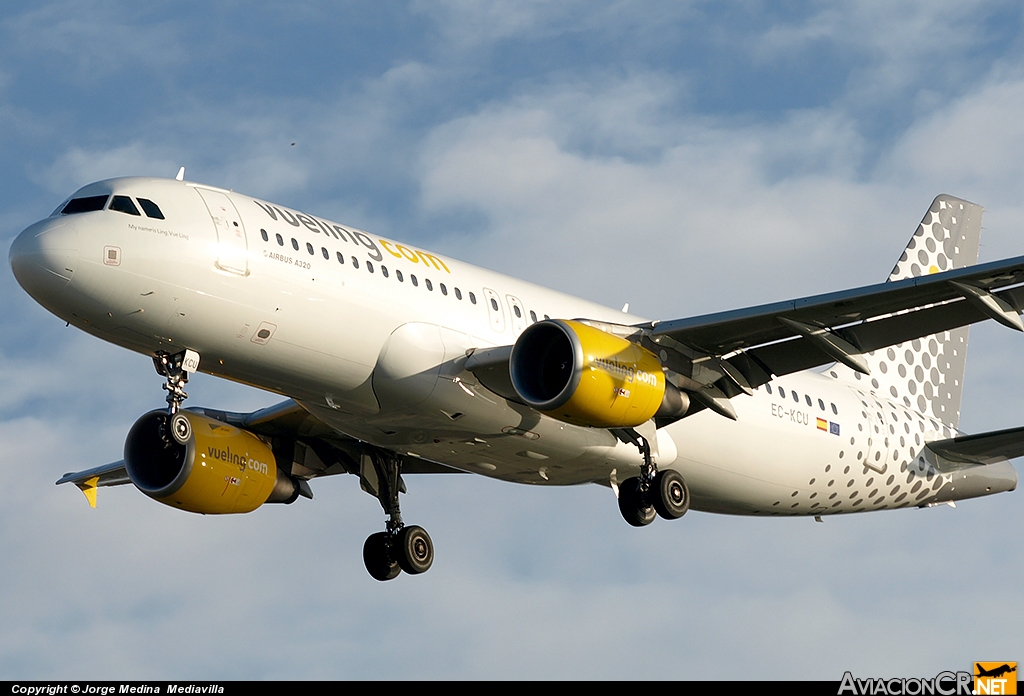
{"points": [[199, 464], [585, 376]]}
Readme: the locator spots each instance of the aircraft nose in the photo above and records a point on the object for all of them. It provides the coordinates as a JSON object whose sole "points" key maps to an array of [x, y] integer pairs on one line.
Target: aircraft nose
{"points": [[44, 256]]}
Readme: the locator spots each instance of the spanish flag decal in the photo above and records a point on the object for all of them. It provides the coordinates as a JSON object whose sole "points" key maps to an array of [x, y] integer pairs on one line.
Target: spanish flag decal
{"points": [[823, 424]]}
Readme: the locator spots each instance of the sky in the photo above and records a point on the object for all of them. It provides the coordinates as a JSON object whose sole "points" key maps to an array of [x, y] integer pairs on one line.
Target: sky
{"points": [[685, 157]]}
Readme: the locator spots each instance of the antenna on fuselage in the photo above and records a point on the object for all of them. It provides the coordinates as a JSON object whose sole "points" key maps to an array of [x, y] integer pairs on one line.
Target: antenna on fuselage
{"points": [[181, 174]]}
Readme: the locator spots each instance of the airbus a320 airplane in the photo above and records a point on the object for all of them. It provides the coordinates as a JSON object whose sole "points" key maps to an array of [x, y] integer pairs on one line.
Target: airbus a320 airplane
{"points": [[395, 360]]}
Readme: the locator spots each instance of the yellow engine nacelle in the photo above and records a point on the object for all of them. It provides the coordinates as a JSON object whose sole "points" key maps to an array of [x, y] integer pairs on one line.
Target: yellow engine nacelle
{"points": [[199, 464], [582, 375]]}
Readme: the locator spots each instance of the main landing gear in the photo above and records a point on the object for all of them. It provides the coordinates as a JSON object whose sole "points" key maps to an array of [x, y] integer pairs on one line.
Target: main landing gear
{"points": [[398, 548], [653, 492]]}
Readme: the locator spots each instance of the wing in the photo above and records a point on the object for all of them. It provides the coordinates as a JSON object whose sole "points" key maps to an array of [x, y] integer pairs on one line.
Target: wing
{"points": [[89, 480], [785, 337], [313, 449]]}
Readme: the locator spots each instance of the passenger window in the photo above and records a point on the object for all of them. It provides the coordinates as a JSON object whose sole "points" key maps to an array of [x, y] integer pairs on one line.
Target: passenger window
{"points": [[821, 404], [369, 266], [295, 244], [458, 294], [472, 298], [426, 281], [384, 271], [398, 274], [412, 279], [835, 410], [533, 316], [266, 237], [768, 388], [796, 397], [280, 240], [444, 290], [355, 262], [327, 254], [546, 317], [84, 205], [152, 210], [123, 204], [808, 400], [519, 312], [494, 304], [341, 259], [782, 393], [309, 248]]}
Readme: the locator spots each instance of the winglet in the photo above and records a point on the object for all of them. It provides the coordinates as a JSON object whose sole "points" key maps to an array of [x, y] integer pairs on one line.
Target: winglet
{"points": [[88, 487], [181, 174], [88, 481]]}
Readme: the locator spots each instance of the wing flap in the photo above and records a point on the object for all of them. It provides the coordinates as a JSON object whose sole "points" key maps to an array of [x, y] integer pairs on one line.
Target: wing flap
{"points": [[725, 332], [786, 357]]}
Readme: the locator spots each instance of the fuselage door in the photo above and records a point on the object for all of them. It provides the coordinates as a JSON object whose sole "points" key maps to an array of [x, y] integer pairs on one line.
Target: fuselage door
{"points": [[494, 311], [232, 250], [879, 450]]}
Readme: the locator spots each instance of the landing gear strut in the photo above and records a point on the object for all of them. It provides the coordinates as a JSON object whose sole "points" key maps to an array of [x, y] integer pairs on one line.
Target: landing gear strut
{"points": [[398, 548], [653, 492], [175, 369]]}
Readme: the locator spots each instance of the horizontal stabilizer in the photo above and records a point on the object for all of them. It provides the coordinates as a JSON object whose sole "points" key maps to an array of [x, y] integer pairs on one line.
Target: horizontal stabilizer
{"points": [[980, 449]]}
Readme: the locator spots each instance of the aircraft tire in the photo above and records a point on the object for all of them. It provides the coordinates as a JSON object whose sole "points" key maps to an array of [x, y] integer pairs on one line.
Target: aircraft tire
{"points": [[635, 510], [671, 497], [414, 549], [181, 428], [377, 558]]}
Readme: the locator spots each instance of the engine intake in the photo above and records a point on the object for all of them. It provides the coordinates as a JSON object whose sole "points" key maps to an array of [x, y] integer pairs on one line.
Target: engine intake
{"points": [[199, 464], [582, 375]]}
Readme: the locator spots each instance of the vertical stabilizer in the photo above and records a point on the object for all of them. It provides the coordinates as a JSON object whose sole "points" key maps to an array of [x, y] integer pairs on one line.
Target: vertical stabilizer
{"points": [[927, 374]]}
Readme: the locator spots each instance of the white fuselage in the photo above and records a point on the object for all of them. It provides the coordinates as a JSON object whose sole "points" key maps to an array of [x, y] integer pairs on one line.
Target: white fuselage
{"points": [[371, 336]]}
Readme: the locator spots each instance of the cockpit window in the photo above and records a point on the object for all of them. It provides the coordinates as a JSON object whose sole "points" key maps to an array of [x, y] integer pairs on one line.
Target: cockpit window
{"points": [[151, 209], [84, 205], [123, 204]]}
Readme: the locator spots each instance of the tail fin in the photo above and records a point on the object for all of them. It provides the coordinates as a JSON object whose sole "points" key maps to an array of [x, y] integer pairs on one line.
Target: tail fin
{"points": [[928, 374]]}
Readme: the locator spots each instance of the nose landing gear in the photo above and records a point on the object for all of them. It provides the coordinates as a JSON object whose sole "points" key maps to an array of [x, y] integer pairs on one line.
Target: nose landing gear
{"points": [[175, 368], [398, 548], [175, 428]]}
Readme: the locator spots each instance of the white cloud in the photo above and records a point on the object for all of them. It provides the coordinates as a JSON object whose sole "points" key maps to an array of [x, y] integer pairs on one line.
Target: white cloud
{"points": [[713, 200], [92, 40], [79, 166], [975, 143], [904, 45]]}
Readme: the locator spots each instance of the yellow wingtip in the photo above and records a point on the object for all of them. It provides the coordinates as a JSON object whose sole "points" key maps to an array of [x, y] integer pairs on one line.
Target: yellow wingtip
{"points": [[88, 487]]}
